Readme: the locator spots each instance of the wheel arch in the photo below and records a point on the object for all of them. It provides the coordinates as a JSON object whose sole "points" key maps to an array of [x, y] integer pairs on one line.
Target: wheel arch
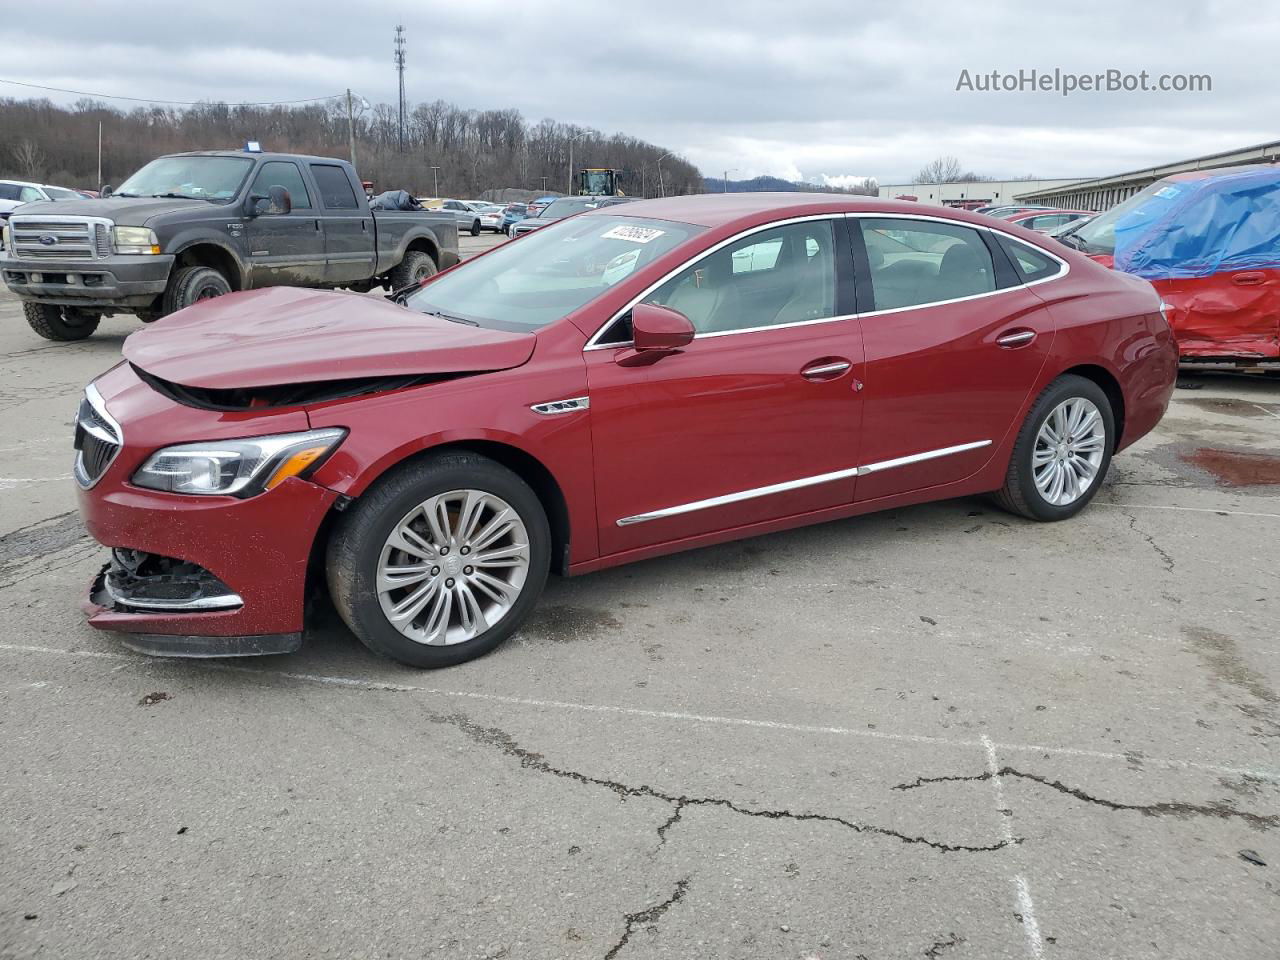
{"points": [[206, 253], [1110, 385], [520, 462], [421, 242]]}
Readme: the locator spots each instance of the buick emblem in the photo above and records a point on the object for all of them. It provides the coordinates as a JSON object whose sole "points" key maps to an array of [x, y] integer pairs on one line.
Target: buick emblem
{"points": [[48, 240]]}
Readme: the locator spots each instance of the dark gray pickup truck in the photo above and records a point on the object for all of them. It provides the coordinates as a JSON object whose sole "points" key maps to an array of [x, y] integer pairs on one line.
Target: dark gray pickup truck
{"points": [[191, 226]]}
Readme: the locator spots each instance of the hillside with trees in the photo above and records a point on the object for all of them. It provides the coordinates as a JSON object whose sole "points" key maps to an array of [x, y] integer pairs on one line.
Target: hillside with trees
{"points": [[766, 184], [475, 150]]}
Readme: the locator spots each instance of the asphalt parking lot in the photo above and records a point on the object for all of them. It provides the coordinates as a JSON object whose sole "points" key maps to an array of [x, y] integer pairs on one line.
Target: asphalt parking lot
{"points": [[941, 732]]}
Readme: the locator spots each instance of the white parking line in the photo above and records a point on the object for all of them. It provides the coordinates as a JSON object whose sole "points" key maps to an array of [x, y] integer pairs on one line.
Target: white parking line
{"points": [[362, 683], [1026, 907], [1161, 506], [1030, 925]]}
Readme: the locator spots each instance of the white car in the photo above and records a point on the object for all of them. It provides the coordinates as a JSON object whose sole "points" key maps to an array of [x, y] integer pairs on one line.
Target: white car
{"points": [[14, 193], [491, 216]]}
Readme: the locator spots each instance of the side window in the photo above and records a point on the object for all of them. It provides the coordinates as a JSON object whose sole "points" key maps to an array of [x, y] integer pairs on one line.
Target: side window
{"points": [[779, 276], [335, 188], [9, 191], [29, 195], [915, 262], [1031, 264], [281, 173]]}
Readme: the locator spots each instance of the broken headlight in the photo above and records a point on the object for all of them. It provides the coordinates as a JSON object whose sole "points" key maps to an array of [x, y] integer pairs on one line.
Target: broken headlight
{"points": [[237, 468]]}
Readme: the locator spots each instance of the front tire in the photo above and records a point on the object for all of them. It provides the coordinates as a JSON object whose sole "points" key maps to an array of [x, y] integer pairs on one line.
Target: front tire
{"points": [[475, 228], [441, 561], [191, 285], [1062, 452], [59, 323]]}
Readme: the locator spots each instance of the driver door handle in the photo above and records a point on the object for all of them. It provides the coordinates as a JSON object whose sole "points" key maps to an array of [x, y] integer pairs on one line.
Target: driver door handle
{"points": [[1252, 278]]}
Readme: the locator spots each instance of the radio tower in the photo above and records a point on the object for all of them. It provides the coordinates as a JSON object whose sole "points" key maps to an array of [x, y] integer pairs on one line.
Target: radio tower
{"points": [[400, 70]]}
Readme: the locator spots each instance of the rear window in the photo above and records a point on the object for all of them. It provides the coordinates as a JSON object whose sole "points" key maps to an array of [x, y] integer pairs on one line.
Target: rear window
{"points": [[1031, 264], [335, 188]]}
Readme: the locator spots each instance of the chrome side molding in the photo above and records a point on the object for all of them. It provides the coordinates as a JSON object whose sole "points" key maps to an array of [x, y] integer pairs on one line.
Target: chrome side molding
{"points": [[553, 407], [798, 484]]}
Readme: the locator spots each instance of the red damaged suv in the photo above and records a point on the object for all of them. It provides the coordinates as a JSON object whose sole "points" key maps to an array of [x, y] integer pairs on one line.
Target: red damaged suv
{"points": [[625, 383]]}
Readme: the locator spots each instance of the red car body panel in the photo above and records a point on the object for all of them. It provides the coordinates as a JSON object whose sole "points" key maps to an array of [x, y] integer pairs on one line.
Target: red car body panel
{"points": [[288, 335], [725, 414]]}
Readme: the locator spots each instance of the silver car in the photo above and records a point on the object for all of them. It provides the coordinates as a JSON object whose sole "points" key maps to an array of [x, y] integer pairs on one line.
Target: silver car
{"points": [[466, 214]]}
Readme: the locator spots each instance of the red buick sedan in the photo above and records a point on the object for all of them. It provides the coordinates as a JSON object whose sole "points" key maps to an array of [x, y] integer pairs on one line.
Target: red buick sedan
{"points": [[625, 383]]}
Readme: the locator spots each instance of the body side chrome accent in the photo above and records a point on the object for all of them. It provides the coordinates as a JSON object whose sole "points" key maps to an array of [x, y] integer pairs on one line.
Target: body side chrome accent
{"points": [[227, 601], [826, 368], [553, 408], [918, 457], [1016, 339], [798, 484]]}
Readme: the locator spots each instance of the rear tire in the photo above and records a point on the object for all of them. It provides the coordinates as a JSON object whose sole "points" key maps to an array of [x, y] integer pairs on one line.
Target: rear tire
{"points": [[54, 322], [365, 550], [1082, 456], [475, 228], [416, 266], [191, 285]]}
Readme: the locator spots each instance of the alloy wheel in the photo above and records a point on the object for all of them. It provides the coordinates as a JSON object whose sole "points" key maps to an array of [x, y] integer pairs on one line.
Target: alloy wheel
{"points": [[1069, 450], [453, 567]]}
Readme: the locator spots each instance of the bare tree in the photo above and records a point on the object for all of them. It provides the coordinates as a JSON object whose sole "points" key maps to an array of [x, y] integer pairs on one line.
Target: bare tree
{"points": [[28, 158], [944, 169]]}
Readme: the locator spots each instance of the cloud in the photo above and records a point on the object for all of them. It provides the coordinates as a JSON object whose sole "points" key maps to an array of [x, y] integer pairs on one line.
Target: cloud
{"points": [[814, 89]]}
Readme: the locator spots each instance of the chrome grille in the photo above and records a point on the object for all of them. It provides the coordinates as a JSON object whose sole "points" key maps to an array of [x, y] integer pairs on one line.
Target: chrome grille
{"points": [[98, 439], [59, 238]]}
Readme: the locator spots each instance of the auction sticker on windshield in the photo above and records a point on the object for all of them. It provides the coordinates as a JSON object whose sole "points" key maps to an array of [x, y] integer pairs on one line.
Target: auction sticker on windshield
{"points": [[632, 233]]}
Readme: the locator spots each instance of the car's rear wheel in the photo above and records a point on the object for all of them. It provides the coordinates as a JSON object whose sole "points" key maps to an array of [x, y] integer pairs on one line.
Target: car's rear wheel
{"points": [[475, 228], [59, 323], [416, 266], [441, 561], [191, 285], [1062, 451]]}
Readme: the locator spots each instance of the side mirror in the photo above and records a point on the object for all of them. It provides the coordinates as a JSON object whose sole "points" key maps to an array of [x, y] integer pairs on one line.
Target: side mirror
{"points": [[105, 191], [658, 329]]}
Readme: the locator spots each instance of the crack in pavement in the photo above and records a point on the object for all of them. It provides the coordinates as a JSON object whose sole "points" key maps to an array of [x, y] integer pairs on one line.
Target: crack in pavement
{"points": [[1164, 554], [940, 945], [492, 736], [1173, 808], [648, 916]]}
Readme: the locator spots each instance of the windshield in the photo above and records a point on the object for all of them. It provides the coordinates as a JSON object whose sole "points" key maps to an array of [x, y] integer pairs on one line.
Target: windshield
{"points": [[199, 178], [1099, 234], [550, 273], [567, 206]]}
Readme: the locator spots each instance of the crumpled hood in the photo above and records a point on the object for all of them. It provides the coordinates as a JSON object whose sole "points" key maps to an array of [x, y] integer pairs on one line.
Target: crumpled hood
{"points": [[283, 335]]}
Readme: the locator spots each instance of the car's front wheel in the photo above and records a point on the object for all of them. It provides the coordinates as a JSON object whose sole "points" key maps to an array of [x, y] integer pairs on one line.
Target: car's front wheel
{"points": [[440, 561], [475, 228], [59, 323], [1062, 451]]}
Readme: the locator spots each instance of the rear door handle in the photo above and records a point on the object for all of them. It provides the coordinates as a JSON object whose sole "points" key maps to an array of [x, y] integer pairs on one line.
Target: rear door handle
{"points": [[1015, 338], [825, 369], [1252, 278]]}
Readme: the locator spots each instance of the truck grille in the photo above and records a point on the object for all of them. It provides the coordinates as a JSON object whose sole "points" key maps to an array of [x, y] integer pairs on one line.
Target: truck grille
{"points": [[98, 439], [59, 238]]}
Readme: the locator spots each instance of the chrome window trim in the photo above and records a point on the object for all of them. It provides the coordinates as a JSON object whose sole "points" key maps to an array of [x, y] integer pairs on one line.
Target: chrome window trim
{"points": [[789, 485], [100, 408], [594, 344]]}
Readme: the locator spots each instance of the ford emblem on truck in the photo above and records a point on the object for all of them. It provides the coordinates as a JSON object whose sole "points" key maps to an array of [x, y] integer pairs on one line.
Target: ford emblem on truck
{"points": [[48, 240]]}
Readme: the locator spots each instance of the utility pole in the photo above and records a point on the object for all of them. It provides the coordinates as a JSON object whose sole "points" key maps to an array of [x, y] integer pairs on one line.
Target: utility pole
{"points": [[544, 184], [572, 141], [435, 181], [99, 154], [351, 129], [399, 58], [726, 177], [662, 187]]}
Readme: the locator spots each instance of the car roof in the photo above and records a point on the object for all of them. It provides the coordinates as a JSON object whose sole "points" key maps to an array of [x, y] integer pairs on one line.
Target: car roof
{"points": [[23, 183], [264, 155], [720, 209]]}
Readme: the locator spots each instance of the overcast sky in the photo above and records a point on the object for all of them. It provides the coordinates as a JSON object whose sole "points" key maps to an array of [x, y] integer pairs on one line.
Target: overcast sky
{"points": [[799, 88]]}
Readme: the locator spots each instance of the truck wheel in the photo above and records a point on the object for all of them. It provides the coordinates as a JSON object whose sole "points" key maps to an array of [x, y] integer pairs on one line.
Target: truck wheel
{"points": [[191, 285], [475, 228], [413, 269], [59, 323]]}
